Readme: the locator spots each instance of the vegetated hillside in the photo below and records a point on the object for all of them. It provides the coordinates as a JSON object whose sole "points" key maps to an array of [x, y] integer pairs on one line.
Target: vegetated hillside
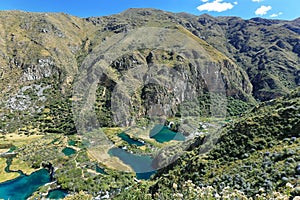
{"points": [[44, 56], [39, 60], [268, 50], [257, 154], [42, 52], [41, 55], [265, 49], [35, 46]]}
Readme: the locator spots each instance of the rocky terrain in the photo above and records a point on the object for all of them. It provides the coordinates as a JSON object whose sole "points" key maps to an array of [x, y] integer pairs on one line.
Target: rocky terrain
{"points": [[43, 52], [64, 75]]}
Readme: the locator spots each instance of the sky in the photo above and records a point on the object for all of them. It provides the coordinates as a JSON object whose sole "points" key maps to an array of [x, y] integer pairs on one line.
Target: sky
{"points": [[276, 9]]}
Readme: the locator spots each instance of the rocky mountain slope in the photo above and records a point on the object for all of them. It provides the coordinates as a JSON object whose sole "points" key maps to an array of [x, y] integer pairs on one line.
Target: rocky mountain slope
{"points": [[265, 49], [61, 75], [41, 54]]}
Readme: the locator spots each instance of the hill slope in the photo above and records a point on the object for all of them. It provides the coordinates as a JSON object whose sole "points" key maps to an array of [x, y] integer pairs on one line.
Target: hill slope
{"points": [[144, 64], [50, 48], [255, 155], [41, 55]]}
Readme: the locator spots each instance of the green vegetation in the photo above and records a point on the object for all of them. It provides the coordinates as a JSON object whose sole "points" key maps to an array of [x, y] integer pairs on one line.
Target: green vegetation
{"points": [[256, 154], [102, 106], [214, 105], [74, 173], [17, 164], [57, 118]]}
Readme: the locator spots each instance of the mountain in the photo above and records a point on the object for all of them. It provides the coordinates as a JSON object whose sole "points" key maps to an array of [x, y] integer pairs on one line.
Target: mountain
{"points": [[62, 76], [256, 58]]}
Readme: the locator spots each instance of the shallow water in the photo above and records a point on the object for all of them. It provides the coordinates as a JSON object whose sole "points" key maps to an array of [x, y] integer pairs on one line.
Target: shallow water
{"points": [[129, 140], [71, 142], [68, 151], [23, 186], [57, 194], [162, 134], [100, 170], [140, 164]]}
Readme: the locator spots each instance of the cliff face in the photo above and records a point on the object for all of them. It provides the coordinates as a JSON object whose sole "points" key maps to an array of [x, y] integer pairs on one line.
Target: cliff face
{"points": [[38, 46], [38, 59], [266, 49], [42, 57]]}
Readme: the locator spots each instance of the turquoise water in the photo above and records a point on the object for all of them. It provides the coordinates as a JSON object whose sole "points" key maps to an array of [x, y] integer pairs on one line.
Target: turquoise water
{"points": [[71, 142], [162, 134], [55, 140], [140, 164], [23, 186], [100, 170], [68, 151], [12, 149], [57, 194], [129, 140], [145, 175], [8, 163]]}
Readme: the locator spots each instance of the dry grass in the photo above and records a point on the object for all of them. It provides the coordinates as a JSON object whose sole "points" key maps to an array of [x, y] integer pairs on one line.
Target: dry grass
{"points": [[100, 154], [112, 134], [3, 150], [212, 52], [19, 139], [21, 165], [4, 176], [16, 140]]}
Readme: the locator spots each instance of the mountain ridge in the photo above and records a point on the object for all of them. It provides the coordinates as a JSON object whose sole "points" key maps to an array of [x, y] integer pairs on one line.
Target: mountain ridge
{"points": [[38, 46], [62, 76], [214, 24]]}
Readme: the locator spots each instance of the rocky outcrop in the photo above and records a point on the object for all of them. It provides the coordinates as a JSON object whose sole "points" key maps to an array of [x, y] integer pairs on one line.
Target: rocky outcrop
{"points": [[235, 57], [164, 81], [45, 68], [265, 49]]}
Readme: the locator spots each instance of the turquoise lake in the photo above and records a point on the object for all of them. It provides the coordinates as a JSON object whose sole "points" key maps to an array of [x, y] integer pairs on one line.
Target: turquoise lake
{"points": [[57, 194], [68, 151], [71, 142], [23, 186], [100, 170], [162, 134], [129, 140], [140, 164]]}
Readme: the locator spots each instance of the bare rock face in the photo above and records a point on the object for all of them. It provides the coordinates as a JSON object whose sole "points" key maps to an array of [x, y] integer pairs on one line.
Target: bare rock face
{"points": [[163, 81], [44, 69], [244, 59], [29, 98]]}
